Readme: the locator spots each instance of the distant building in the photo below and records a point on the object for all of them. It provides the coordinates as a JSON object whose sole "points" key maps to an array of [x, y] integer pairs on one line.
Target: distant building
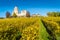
{"points": [[22, 13], [34, 15]]}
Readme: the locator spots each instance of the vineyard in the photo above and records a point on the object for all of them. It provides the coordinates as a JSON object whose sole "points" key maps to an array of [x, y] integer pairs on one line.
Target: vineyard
{"points": [[33, 28], [19, 29], [53, 25]]}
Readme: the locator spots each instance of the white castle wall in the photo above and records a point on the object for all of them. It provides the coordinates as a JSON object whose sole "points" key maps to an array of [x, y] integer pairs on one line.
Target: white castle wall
{"points": [[23, 12]]}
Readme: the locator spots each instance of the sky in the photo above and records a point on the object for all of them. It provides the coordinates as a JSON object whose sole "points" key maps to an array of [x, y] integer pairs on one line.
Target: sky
{"points": [[33, 6]]}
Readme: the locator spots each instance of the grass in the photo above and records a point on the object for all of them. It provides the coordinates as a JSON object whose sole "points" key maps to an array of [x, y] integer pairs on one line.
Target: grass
{"points": [[43, 33]]}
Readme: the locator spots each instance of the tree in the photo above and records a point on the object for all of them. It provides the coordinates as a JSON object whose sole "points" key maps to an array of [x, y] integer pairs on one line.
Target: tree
{"points": [[28, 14], [53, 14], [7, 14], [14, 15]]}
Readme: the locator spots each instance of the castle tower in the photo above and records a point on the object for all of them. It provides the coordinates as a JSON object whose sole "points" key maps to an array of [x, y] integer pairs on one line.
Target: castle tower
{"points": [[15, 10]]}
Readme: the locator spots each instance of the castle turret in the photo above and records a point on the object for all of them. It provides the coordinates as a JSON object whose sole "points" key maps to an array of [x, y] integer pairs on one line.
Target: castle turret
{"points": [[15, 11]]}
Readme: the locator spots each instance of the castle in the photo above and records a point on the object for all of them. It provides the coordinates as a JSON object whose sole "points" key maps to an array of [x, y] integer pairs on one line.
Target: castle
{"points": [[22, 13]]}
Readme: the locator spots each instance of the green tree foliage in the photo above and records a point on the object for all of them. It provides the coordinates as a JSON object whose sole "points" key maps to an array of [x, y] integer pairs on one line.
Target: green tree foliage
{"points": [[14, 15], [53, 14], [7, 14], [1, 18]]}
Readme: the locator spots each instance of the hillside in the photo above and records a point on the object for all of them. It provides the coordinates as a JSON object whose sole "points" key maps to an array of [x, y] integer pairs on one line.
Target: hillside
{"points": [[19, 28], [33, 28]]}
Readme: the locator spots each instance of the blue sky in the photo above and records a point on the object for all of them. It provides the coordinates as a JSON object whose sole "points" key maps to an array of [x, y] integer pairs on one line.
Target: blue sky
{"points": [[33, 6]]}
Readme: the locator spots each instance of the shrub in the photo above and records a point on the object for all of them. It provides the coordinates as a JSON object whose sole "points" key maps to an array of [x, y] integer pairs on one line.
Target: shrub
{"points": [[14, 15], [11, 33]]}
